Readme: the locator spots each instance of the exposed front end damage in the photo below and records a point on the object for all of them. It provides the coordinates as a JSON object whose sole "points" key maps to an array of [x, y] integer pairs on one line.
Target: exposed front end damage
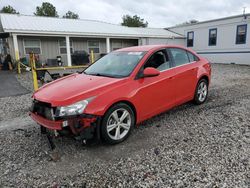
{"points": [[82, 127]]}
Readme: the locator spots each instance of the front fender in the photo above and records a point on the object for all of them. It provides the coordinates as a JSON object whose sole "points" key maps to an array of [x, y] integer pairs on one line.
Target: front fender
{"points": [[100, 104]]}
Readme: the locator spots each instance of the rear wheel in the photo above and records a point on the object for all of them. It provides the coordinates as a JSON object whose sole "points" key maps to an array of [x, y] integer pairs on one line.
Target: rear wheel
{"points": [[117, 123], [201, 91]]}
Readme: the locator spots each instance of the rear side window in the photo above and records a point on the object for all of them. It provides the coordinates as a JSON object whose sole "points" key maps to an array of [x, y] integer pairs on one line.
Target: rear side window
{"points": [[180, 56], [192, 57]]}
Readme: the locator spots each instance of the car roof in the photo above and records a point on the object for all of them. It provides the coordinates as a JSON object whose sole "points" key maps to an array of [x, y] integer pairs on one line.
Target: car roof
{"points": [[146, 48]]}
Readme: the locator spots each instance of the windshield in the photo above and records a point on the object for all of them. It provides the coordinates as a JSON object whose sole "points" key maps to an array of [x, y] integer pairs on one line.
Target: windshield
{"points": [[115, 64]]}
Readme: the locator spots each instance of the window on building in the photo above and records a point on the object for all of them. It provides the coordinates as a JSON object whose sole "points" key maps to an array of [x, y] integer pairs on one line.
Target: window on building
{"points": [[63, 48], [212, 37], [32, 46], [117, 44], [180, 56], [241, 34], [190, 39], [94, 45]]}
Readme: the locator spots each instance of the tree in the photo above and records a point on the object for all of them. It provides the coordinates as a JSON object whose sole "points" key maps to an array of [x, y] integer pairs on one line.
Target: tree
{"points": [[8, 9], [134, 21], [71, 15], [47, 9], [193, 21], [188, 22]]}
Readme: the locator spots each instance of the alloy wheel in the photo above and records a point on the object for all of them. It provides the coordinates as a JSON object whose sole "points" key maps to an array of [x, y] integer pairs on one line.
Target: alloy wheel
{"points": [[118, 124], [202, 91]]}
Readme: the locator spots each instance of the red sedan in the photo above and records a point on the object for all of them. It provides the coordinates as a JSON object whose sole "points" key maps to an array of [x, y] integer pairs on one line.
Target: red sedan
{"points": [[121, 90]]}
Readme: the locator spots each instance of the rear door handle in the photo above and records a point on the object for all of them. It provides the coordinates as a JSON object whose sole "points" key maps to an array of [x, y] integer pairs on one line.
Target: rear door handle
{"points": [[171, 78]]}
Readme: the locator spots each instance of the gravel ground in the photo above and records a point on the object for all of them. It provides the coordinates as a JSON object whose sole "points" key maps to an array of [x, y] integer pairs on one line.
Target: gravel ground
{"points": [[25, 80], [189, 146]]}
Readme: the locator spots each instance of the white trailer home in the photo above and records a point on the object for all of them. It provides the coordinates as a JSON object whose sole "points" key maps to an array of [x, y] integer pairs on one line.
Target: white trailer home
{"points": [[225, 40]]}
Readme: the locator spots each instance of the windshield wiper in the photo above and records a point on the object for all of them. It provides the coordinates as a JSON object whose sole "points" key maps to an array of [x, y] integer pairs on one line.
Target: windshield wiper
{"points": [[99, 74]]}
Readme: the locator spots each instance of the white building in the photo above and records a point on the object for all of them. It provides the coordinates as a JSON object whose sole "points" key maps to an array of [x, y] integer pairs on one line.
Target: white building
{"points": [[51, 37], [225, 40]]}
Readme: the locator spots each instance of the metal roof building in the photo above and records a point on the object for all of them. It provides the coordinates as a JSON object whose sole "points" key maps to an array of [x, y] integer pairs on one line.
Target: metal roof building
{"points": [[59, 26], [50, 37], [223, 40]]}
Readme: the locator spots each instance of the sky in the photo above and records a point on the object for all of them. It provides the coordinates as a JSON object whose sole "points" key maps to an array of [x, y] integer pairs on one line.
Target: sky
{"points": [[158, 13]]}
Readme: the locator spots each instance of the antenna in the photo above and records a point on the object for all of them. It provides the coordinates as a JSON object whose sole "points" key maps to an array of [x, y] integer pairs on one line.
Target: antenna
{"points": [[244, 12]]}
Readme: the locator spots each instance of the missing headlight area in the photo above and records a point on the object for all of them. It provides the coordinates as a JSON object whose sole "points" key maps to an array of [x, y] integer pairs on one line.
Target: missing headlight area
{"points": [[43, 109]]}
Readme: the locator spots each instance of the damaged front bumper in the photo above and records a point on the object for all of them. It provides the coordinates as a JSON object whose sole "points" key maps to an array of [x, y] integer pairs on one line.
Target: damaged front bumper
{"points": [[82, 126]]}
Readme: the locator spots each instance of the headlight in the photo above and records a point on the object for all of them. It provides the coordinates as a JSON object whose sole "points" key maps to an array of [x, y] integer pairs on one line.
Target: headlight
{"points": [[73, 109]]}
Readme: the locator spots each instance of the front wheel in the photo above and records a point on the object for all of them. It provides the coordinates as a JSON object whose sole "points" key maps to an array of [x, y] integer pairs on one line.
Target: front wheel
{"points": [[201, 91], [117, 123]]}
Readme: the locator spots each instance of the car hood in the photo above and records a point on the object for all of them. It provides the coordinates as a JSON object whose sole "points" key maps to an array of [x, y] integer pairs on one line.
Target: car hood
{"points": [[75, 87]]}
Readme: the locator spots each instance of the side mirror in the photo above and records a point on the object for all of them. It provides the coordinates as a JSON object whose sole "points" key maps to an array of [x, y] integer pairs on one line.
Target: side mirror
{"points": [[150, 72]]}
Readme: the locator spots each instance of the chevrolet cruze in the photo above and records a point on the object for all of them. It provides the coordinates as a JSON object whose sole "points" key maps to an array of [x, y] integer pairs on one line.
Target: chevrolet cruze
{"points": [[120, 90]]}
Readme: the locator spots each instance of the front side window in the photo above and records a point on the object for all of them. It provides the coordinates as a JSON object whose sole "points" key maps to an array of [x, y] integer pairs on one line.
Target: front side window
{"points": [[115, 64], [180, 56], [212, 37], [94, 45], [190, 39], [32, 46], [192, 57], [159, 60], [63, 48], [241, 34]]}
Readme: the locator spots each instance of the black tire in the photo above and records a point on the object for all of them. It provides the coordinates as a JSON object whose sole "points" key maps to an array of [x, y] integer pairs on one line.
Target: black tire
{"points": [[108, 118], [197, 99]]}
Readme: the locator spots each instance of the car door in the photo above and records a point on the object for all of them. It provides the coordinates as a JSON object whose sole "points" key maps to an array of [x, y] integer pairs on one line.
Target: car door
{"points": [[186, 74], [155, 94]]}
